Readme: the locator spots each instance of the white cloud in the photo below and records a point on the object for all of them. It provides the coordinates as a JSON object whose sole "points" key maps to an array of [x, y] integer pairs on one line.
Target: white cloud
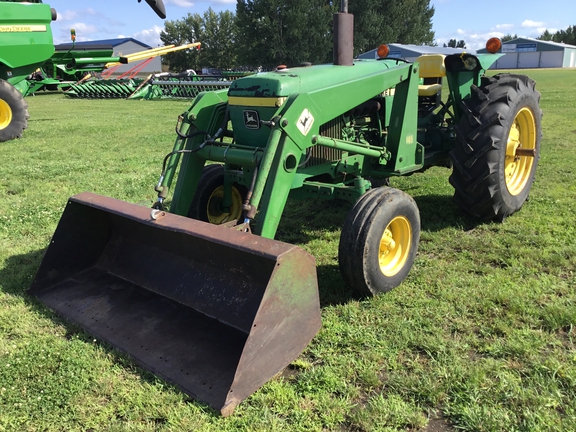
{"points": [[224, 1], [67, 15], [84, 29], [149, 36], [181, 3], [84, 32], [503, 27], [530, 23]]}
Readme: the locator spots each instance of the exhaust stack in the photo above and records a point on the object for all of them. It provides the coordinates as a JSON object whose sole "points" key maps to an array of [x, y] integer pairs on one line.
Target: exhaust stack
{"points": [[343, 36]]}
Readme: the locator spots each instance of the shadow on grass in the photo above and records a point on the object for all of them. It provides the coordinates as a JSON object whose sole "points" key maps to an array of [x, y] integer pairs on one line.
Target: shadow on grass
{"points": [[438, 212], [33, 120], [302, 220], [42, 93]]}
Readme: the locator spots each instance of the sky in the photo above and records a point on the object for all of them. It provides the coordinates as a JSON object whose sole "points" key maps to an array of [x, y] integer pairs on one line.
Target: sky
{"points": [[472, 21]]}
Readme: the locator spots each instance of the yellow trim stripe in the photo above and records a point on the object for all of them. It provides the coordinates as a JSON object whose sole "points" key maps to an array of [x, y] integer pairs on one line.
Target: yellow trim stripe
{"points": [[256, 101], [22, 28]]}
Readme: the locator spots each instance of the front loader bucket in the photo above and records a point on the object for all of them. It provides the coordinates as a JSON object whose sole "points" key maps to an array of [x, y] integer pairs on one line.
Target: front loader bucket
{"points": [[215, 311]]}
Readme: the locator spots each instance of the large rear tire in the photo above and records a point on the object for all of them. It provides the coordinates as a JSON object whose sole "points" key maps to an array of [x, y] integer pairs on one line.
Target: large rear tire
{"points": [[13, 112], [497, 147], [207, 202], [379, 241]]}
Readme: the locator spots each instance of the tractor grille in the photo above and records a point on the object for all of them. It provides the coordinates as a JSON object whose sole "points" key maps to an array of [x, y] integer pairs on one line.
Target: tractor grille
{"points": [[320, 154]]}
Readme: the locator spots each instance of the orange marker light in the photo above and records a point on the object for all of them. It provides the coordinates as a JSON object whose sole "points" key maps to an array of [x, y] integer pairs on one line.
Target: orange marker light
{"points": [[383, 51], [493, 45]]}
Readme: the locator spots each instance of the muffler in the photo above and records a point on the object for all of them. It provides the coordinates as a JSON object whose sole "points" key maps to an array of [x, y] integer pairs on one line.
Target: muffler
{"points": [[217, 312]]}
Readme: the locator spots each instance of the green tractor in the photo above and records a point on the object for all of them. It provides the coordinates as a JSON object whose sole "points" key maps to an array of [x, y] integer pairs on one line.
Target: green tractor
{"points": [[335, 131], [201, 293]]}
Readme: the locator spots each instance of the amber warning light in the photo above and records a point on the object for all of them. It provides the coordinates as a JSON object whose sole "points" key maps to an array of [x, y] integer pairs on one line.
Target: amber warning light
{"points": [[383, 51], [493, 45]]}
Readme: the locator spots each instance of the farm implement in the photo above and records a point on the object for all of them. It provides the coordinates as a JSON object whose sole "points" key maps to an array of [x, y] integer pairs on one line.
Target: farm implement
{"points": [[67, 65], [200, 293], [79, 64], [185, 85]]}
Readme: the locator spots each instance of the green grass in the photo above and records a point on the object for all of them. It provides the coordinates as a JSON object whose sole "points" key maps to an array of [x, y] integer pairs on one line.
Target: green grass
{"points": [[479, 337]]}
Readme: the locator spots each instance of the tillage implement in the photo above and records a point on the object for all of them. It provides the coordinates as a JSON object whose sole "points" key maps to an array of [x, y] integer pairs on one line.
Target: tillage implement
{"points": [[200, 293]]}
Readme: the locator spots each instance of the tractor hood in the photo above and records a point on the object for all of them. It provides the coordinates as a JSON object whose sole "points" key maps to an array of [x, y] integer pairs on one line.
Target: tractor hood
{"points": [[283, 83]]}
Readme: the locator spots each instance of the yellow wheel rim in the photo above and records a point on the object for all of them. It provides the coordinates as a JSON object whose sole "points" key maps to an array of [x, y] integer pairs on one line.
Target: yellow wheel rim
{"points": [[5, 114], [395, 246], [517, 169], [216, 215]]}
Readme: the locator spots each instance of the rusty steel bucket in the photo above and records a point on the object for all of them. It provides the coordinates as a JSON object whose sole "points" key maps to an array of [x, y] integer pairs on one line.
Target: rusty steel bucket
{"points": [[215, 311]]}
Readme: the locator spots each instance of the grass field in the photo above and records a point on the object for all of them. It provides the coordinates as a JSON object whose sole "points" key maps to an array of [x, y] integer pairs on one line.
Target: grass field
{"points": [[479, 337]]}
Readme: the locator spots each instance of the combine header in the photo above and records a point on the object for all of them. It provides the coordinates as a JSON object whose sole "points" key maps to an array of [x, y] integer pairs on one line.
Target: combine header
{"points": [[182, 86], [156, 86], [201, 293], [185, 85], [94, 88]]}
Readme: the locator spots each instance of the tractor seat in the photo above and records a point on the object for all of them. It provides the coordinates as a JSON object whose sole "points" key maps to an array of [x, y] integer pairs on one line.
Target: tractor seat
{"points": [[429, 89], [432, 70]]}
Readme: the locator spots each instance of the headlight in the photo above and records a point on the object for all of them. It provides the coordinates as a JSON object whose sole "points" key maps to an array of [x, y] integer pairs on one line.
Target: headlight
{"points": [[470, 63]]}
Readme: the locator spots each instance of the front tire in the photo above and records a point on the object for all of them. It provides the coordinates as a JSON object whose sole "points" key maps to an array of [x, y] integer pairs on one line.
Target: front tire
{"points": [[379, 241], [13, 112], [207, 202], [497, 147]]}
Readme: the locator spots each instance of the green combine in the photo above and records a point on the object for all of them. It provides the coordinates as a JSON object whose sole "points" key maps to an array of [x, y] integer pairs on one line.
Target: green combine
{"points": [[200, 293], [26, 42]]}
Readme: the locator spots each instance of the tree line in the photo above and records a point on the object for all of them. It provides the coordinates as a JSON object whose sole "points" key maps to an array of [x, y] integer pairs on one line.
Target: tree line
{"points": [[266, 33], [456, 44], [567, 36]]}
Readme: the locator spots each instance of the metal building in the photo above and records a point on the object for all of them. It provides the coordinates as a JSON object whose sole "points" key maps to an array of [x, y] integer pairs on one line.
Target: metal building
{"points": [[527, 53]]}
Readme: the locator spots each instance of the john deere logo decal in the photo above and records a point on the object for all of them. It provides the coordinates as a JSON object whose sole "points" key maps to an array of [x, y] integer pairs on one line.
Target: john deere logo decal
{"points": [[305, 122], [251, 119]]}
